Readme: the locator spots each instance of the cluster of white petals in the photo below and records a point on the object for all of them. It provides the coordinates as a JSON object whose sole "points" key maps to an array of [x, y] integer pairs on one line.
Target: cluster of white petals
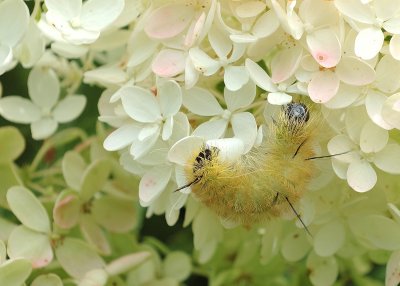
{"points": [[181, 74]]}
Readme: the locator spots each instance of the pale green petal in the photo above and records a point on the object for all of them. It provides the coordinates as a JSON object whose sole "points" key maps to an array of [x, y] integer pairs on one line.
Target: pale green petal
{"points": [[69, 108], [323, 271], [15, 272], [3, 252], [19, 110], [67, 209], [329, 238], [28, 209], [12, 144], [94, 234], [94, 178], [177, 265], [47, 280], [44, 87], [73, 167], [127, 262], [295, 245]]}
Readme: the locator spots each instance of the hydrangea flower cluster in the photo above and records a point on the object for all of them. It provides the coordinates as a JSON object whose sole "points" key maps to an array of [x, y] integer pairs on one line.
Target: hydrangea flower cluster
{"points": [[166, 74]]}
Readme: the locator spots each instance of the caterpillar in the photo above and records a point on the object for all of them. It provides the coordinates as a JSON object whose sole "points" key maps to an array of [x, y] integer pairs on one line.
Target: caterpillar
{"points": [[263, 183]]}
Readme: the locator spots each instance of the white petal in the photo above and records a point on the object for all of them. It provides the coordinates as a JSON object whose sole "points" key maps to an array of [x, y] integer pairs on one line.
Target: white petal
{"points": [[69, 51], [167, 128], [361, 176], [212, 129], [285, 63], [374, 102], [19, 110], [392, 277], [250, 9], [80, 36], [265, 25], [14, 20], [391, 110], [148, 130], [346, 95], [220, 42], [153, 183], [341, 144], [140, 148], [203, 62], [340, 168], [356, 10], [183, 150], [168, 21], [140, 104], [235, 77], [68, 9], [259, 76], [230, 149], [69, 108], [368, 43], [394, 47], [385, 9], [392, 25], [279, 98], [373, 138], [44, 87], [201, 102], [169, 63], [388, 159], [98, 14], [245, 128], [354, 71], [325, 47], [43, 128], [6, 57], [240, 98], [169, 95], [323, 86], [387, 77], [121, 137]]}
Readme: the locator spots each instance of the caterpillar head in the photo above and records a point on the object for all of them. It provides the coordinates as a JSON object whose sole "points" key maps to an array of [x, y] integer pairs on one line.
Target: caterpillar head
{"points": [[205, 157], [297, 113]]}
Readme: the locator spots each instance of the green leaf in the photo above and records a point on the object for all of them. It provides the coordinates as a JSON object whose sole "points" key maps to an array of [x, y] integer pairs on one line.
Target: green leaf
{"points": [[177, 265], [114, 214], [127, 262], [73, 167], [28, 209], [31, 245], [47, 280], [15, 272], [12, 144], [67, 209], [77, 258], [94, 178]]}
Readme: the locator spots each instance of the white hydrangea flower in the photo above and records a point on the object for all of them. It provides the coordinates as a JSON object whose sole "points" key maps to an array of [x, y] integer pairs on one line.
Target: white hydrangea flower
{"points": [[202, 102], [14, 20], [151, 116], [78, 23], [366, 143], [44, 111]]}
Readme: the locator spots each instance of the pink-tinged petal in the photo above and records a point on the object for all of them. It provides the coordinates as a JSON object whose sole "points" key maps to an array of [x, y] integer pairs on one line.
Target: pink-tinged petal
{"points": [[374, 102], [356, 10], [279, 98], [346, 95], [245, 128], [19, 110], [203, 62], [259, 76], [373, 138], [43, 128], [368, 43], [98, 14], [391, 110], [241, 98], [355, 71], [285, 63], [267, 24], [361, 176], [201, 102], [392, 25], [140, 104], [235, 77], [183, 150], [394, 47], [325, 47], [153, 183], [323, 86], [195, 30], [212, 129], [169, 63], [387, 75], [388, 159], [168, 21], [122, 137], [169, 95], [66, 210], [29, 244]]}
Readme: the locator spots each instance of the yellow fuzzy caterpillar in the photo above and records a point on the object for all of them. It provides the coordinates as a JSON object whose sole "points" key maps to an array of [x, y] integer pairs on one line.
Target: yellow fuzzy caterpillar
{"points": [[264, 182]]}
